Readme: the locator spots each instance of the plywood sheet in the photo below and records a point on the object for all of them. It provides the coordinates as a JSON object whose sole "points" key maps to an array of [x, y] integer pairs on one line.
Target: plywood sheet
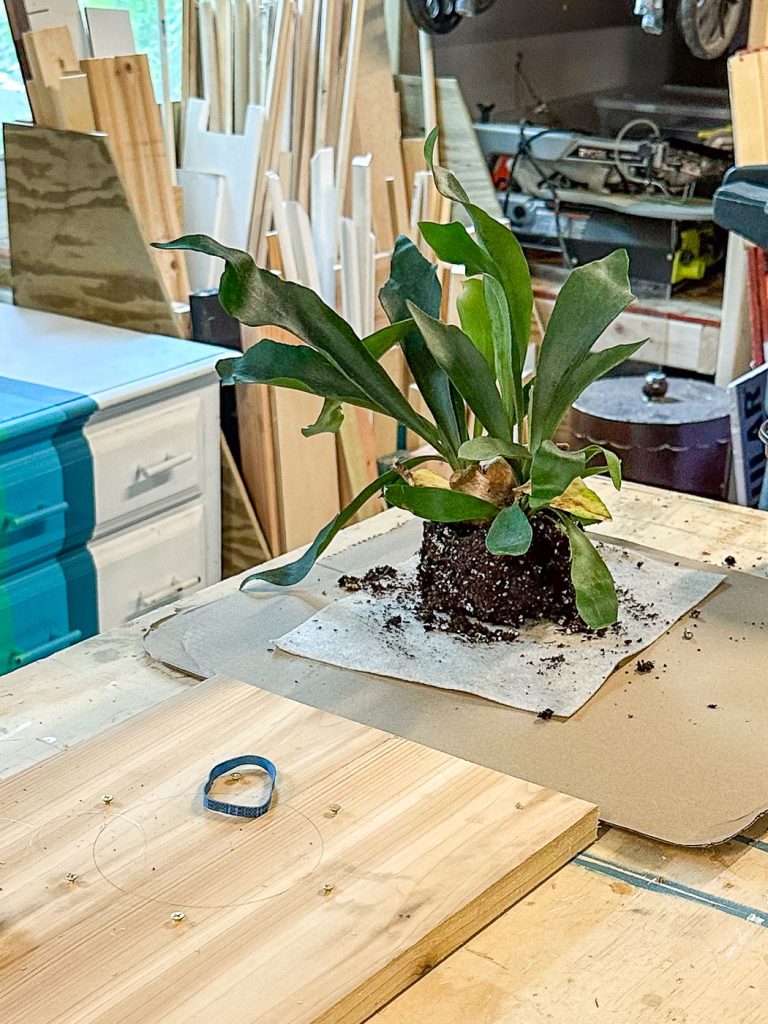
{"points": [[76, 247], [423, 850], [648, 748]]}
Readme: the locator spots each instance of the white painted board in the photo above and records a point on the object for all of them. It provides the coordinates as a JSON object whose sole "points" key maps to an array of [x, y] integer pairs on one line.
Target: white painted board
{"points": [[234, 157]]}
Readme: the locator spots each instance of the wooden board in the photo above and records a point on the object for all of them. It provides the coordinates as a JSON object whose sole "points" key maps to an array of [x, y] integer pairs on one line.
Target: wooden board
{"points": [[292, 480], [748, 81], [204, 197], [110, 31], [56, 14], [233, 158], [606, 938], [423, 851], [124, 107], [243, 543], [377, 124], [77, 249]]}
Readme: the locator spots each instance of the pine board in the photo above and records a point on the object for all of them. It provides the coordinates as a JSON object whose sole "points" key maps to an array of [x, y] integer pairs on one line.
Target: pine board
{"points": [[748, 79], [124, 107], [424, 851], [377, 124], [292, 480], [76, 246], [600, 940]]}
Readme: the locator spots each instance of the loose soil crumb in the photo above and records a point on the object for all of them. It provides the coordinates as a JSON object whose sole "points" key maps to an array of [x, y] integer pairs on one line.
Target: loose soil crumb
{"points": [[645, 665], [382, 579], [730, 561], [546, 714]]}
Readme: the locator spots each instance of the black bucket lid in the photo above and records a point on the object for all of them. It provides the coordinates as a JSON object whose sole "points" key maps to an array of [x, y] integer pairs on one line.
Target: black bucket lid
{"points": [[654, 399]]}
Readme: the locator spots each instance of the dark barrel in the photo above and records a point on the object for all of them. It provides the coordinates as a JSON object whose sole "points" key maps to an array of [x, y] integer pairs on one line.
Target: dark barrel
{"points": [[668, 431]]}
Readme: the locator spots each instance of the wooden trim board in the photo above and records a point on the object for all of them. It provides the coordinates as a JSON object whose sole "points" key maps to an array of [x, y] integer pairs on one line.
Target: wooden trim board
{"points": [[423, 851], [377, 126]]}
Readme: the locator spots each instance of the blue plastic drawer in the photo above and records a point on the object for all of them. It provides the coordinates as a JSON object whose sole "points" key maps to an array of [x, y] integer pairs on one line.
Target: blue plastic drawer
{"points": [[46, 608], [46, 499]]}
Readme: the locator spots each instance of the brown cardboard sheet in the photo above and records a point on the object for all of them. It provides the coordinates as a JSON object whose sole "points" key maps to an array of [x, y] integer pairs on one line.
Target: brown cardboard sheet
{"points": [[676, 753]]}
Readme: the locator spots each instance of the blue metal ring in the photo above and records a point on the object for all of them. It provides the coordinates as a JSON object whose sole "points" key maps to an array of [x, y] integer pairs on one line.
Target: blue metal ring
{"points": [[238, 810]]}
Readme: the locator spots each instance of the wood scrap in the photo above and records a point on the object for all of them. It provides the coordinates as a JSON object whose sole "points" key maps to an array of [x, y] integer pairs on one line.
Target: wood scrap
{"points": [[357, 11], [209, 67], [460, 151], [428, 88], [243, 544], [110, 31], [43, 14], [231, 157]]}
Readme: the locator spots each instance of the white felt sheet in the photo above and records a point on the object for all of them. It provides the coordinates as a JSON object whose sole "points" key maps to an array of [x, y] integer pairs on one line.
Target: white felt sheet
{"points": [[545, 669]]}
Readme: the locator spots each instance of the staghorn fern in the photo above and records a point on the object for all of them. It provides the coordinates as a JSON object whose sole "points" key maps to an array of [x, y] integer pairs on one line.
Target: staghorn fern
{"points": [[477, 369]]}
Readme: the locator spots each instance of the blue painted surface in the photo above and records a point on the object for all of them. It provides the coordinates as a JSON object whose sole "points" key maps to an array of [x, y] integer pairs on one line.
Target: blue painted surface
{"points": [[48, 595]]}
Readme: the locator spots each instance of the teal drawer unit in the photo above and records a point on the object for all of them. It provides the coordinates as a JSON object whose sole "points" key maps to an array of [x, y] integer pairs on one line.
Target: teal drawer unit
{"points": [[46, 474], [46, 608], [46, 510], [109, 477]]}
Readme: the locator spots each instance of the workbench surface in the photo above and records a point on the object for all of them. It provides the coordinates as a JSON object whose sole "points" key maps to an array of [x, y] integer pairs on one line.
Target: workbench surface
{"points": [[630, 931]]}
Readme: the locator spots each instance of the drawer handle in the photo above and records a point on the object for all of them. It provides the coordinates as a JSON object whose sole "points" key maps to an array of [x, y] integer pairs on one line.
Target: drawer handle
{"points": [[19, 658], [165, 466], [176, 587], [20, 522]]}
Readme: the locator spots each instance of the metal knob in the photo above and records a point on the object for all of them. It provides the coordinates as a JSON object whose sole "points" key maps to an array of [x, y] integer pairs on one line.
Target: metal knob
{"points": [[655, 384]]}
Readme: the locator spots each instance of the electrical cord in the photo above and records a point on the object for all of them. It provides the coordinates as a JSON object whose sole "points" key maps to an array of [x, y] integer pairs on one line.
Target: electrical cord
{"points": [[545, 180]]}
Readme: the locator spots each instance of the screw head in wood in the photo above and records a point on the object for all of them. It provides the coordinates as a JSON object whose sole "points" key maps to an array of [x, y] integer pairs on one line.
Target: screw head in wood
{"points": [[234, 777], [178, 916], [334, 809], [107, 798], [328, 888], [72, 877]]}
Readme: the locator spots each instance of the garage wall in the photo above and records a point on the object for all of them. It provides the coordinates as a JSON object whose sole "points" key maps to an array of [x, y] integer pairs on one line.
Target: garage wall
{"points": [[570, 51]]}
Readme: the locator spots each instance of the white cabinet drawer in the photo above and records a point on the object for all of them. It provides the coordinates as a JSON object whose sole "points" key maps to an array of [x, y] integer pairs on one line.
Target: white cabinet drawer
{"points": [[147, 459], [149, 565]]}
